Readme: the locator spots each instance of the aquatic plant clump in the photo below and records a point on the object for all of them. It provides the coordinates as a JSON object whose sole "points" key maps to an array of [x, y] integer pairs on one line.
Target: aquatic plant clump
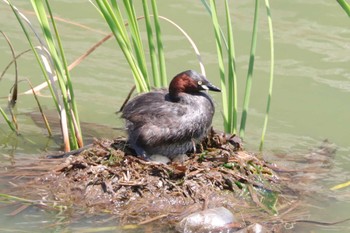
{"points": [[107, 178]]}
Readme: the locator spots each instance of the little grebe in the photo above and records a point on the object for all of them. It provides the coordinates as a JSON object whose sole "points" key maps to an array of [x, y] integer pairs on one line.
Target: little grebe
{"points": [[169, 122]]}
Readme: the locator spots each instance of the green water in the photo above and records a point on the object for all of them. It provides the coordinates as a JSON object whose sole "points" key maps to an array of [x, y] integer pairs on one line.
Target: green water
{"points": [[310, 99]]}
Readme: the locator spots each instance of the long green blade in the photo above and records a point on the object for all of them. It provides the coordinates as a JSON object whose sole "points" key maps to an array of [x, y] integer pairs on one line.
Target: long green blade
{"points": [[19, 17], [136, 38], [122, 24], [152, 50], [115, 27], [269, 18], [232, 80], [161, 57], [9, 123], [345, 6], [61, 78], [221, 64], [250, 72], [71, 96]]}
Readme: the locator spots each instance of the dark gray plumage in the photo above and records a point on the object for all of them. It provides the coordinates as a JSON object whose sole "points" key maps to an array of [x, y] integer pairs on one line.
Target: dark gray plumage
{"points": [[169, 122]]}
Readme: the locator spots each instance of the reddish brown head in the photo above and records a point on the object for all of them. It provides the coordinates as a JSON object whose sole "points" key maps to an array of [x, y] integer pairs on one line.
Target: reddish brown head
{"points": [[189, 82]]}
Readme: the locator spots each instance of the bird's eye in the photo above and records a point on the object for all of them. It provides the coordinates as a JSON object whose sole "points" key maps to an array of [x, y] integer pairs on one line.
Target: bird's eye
{"points": [[200, 83]]}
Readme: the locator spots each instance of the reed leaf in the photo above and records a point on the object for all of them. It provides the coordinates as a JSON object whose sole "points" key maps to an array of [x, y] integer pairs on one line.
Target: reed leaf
{"points": [[221, 64], [112, 20], [340, 186], [47, 125], [74, 113], [136, 38], [53, 62], [229, 99], [73, 64], [7, 120], [207, 7], [15, 86], [272, 64], [4, 196], [345, 6], [14, 90], [10, 108], [151, 46], [70, 140], [190, 40], [12, 62], [232, 79], [137, 60], [250, 72], [99, 43], [20, 17], [122, 25], [161, 57]]}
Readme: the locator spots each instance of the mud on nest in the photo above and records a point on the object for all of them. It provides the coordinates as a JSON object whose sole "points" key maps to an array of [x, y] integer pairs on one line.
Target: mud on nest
{"points": [[108, 178]]}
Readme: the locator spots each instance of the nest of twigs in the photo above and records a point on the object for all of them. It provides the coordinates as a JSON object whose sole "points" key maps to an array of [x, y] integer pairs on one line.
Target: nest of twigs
{"points": [[107, 177]]}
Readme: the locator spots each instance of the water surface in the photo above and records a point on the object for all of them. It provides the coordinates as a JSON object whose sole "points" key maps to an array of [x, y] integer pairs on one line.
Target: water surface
{"points": [[310, 99]]}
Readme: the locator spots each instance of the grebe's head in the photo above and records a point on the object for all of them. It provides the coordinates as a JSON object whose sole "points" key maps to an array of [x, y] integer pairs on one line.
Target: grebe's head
{"points": [[189, 81]]}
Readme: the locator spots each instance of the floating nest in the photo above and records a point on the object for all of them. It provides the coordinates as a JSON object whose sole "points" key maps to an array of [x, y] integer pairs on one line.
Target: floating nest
{"points": [[107, 178]]}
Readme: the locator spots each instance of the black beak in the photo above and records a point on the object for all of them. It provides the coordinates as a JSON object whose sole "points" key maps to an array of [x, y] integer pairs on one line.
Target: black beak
{"points": [[211, 87]]}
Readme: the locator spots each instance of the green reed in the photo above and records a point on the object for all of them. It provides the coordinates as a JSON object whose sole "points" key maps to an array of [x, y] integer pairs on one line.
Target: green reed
{"points": [[228, 86], [225, 45], [12, 101], [345, 6], [134, 53], [272, 67], [7, 120], [133, 50], [128, 36], [249, 78], [161, 57], [53, 64], [52, 61]]}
